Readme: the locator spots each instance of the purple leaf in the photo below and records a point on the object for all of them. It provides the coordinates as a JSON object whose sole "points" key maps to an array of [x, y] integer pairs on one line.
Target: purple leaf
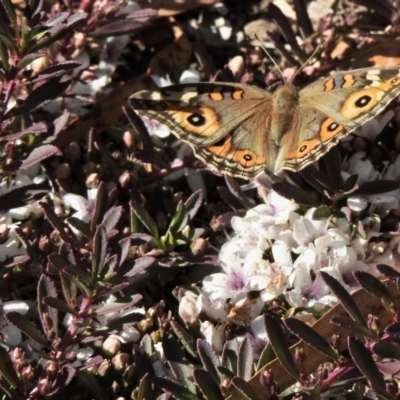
{"points": [[111, 308], [57, 19], [37, 155], [41, 94], [23, 196], [56, 70], [25, 326], [40, 127], [47, 287], [7, 369], [111, 218]]}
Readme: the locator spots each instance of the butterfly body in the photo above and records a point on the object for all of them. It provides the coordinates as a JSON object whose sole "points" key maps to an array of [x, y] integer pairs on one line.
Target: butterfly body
{"points": [[243, 130]]}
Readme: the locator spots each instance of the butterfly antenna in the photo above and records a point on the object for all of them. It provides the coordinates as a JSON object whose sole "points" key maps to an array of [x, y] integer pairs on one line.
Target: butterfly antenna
{"points": [[277, 66], [307, 61], [270, 57]]}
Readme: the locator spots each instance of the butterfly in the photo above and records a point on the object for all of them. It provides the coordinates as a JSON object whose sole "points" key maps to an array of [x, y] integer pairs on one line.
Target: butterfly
{"points": [[244, 131]]}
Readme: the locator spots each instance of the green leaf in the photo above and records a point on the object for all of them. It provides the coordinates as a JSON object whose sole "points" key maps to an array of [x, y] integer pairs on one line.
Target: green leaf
{"points": [[58, 305], [375, 187], [58, 32], [193, 203], [145, 390], [178, 391], [389, 272], [344, 297], [92, 384], [9, 8], [58, 261], [7, 369], [99, 252], [322, 213], [209, 359], [354, 326], [111, 218], [393, 329], [80, 226], [242, 390], [246, 359], [311, 337], [278, 342], [79, 278], [179, 220], [267, 355], [230, 356], [25, 326], [41, 94], [374, 287], [47, 287], [145, 218], [172, 349], [100, 207], [295, 193], [332, 162], [183, 373], [366, 364], [387, 350], [207, 385], [184, 338]]}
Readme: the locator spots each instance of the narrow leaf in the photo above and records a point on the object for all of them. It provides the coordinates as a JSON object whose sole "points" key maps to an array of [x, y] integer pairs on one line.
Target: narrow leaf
{"points": [[100, 207], [145, 218], [25, 326], [89, 381], [354, 326], [48, 91], [209, 359], [244, 390], [344, 297], [387, 350], [37, 155], [111, 218], [99, 251], [279, 344], [295, 193], [178, 391], [7, 369], [58, 305], [310, 336], [366, 364], [193, 203], [23, 196], [246, 359], [207, 385]]}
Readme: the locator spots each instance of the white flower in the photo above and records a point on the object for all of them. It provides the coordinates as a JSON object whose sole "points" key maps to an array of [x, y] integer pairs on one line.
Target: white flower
{"points": [[12, 247], [11, 335], [214, 335], [359, 165], [190, 307], [84, 207], [24, 177], [236, 278], [363, 168], [257, 327], [393, 170], [372, 128]]}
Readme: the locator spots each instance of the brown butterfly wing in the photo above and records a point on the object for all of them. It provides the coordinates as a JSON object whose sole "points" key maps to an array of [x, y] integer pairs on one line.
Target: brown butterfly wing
{"points": [[331, 108], [226, 124]]}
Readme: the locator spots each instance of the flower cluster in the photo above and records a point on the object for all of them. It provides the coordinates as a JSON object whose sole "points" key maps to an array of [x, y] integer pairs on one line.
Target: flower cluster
{"points": [[275, 251]]}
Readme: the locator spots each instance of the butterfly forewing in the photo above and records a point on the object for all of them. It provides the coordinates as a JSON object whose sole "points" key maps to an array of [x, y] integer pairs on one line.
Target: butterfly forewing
{"points": [[223, 122], [243, 130]]}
